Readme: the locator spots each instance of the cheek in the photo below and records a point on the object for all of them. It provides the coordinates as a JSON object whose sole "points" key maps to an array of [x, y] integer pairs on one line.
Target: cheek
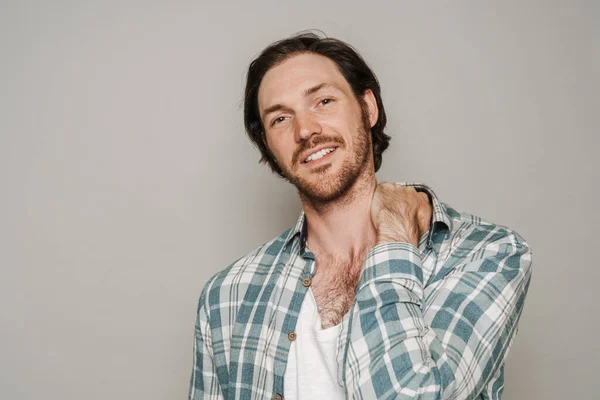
{"points": [[345, 123], [281, 150], [334, 125], [346, 129]]}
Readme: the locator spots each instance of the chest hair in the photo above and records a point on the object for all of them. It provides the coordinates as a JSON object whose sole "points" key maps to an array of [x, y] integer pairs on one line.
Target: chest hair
{"points": [[334, 284]]}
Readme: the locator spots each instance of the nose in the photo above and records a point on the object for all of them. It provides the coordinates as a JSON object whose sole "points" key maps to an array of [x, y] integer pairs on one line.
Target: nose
{"points": [[306, 126]]}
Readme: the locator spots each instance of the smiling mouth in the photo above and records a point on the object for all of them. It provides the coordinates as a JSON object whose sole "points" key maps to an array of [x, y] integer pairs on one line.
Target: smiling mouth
{"points": [[319, 155]]}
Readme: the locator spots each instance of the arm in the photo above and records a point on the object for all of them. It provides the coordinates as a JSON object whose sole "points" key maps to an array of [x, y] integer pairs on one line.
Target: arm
{"points": [[203, 383], [394, 352]]}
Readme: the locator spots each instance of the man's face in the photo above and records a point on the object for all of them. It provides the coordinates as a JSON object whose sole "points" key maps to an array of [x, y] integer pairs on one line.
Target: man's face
{"points": [[315, 127]]}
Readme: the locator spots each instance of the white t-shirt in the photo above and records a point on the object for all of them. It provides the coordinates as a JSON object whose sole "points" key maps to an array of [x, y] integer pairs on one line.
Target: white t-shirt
{"points": [[311, 371]]}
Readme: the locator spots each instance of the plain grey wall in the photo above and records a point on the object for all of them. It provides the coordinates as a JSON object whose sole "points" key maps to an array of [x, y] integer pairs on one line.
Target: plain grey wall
{"points": [[126, 179]]}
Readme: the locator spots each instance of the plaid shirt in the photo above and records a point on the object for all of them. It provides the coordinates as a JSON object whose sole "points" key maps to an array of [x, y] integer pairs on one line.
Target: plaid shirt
{"points": [[433, 322]]}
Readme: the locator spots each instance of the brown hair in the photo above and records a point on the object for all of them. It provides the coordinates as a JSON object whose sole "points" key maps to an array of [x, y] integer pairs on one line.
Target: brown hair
{"points": [[351, 65]]}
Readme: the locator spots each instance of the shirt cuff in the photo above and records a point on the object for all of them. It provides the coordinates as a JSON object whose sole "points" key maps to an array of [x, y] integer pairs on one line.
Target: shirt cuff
{"points": [[393, 261]]}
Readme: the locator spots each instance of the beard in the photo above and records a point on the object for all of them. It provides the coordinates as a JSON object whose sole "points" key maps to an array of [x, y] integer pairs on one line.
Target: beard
{"points": [[327, 188]]}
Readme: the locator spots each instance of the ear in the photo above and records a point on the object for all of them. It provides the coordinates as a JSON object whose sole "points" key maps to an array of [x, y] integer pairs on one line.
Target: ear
{"points": [[371, 102]]}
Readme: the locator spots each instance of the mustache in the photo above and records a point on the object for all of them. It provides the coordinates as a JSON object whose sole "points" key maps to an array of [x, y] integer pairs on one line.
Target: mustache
{"points": [[318, 140]]}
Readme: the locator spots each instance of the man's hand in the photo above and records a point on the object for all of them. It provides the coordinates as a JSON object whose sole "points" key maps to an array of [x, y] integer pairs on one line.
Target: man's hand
{"points": [[399, 213]]}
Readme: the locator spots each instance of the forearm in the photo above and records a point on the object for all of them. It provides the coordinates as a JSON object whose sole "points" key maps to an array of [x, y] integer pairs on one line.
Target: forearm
{"points": [[392, 351], [388, 335]]}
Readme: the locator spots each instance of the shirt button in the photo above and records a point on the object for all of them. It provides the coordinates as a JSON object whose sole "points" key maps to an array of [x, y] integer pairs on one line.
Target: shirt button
{"points": [[292, 336], [306, 282], [278, 397]]}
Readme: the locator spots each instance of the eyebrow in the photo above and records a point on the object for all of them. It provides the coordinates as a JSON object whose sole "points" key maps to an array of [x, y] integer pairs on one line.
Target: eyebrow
{"points": [[307, 92], [315, 89]]}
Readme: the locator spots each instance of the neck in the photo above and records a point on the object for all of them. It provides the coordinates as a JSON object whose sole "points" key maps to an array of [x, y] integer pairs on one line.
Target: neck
{"points": [[343, 226]]}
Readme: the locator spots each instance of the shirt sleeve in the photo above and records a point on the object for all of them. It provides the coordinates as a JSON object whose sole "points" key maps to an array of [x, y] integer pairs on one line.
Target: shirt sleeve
{"points": [[204, 383], [394, 352]]}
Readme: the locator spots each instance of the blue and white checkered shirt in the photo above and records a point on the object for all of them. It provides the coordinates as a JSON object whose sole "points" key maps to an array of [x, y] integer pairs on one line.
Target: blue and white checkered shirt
{"points": [[433, 322]]}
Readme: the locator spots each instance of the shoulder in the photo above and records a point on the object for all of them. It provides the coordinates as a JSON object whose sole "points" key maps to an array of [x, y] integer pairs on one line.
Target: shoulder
{"points": [[230, 284], [473, 238]]}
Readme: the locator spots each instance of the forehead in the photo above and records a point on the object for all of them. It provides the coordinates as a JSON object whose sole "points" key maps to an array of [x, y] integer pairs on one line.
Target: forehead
{"points": [[293, 76]]}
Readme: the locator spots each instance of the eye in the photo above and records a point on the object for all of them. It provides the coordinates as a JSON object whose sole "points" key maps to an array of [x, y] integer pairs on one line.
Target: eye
{"points": [[277, 120], [326, 101]]}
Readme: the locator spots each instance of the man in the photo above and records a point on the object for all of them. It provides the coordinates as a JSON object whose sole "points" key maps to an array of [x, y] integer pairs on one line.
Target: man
{"points": [[380, 291]]}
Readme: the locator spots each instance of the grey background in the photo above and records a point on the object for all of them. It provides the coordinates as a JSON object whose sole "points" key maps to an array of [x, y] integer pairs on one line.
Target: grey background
{"points": [[126, 179]]}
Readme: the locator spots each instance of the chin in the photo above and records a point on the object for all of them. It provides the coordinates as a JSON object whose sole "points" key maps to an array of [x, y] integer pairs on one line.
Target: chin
{"points": [[325, 185]]}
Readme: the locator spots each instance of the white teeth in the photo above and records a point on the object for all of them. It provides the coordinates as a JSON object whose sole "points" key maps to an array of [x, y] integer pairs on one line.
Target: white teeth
{"points": [[319, 154]]}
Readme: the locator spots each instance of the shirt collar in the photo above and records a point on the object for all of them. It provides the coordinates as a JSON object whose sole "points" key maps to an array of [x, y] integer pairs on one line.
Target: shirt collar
{"points": [[440, 220]]}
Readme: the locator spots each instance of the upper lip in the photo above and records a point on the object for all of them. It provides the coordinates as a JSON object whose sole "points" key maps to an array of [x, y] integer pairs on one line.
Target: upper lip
{"points": [[315, 150]]}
